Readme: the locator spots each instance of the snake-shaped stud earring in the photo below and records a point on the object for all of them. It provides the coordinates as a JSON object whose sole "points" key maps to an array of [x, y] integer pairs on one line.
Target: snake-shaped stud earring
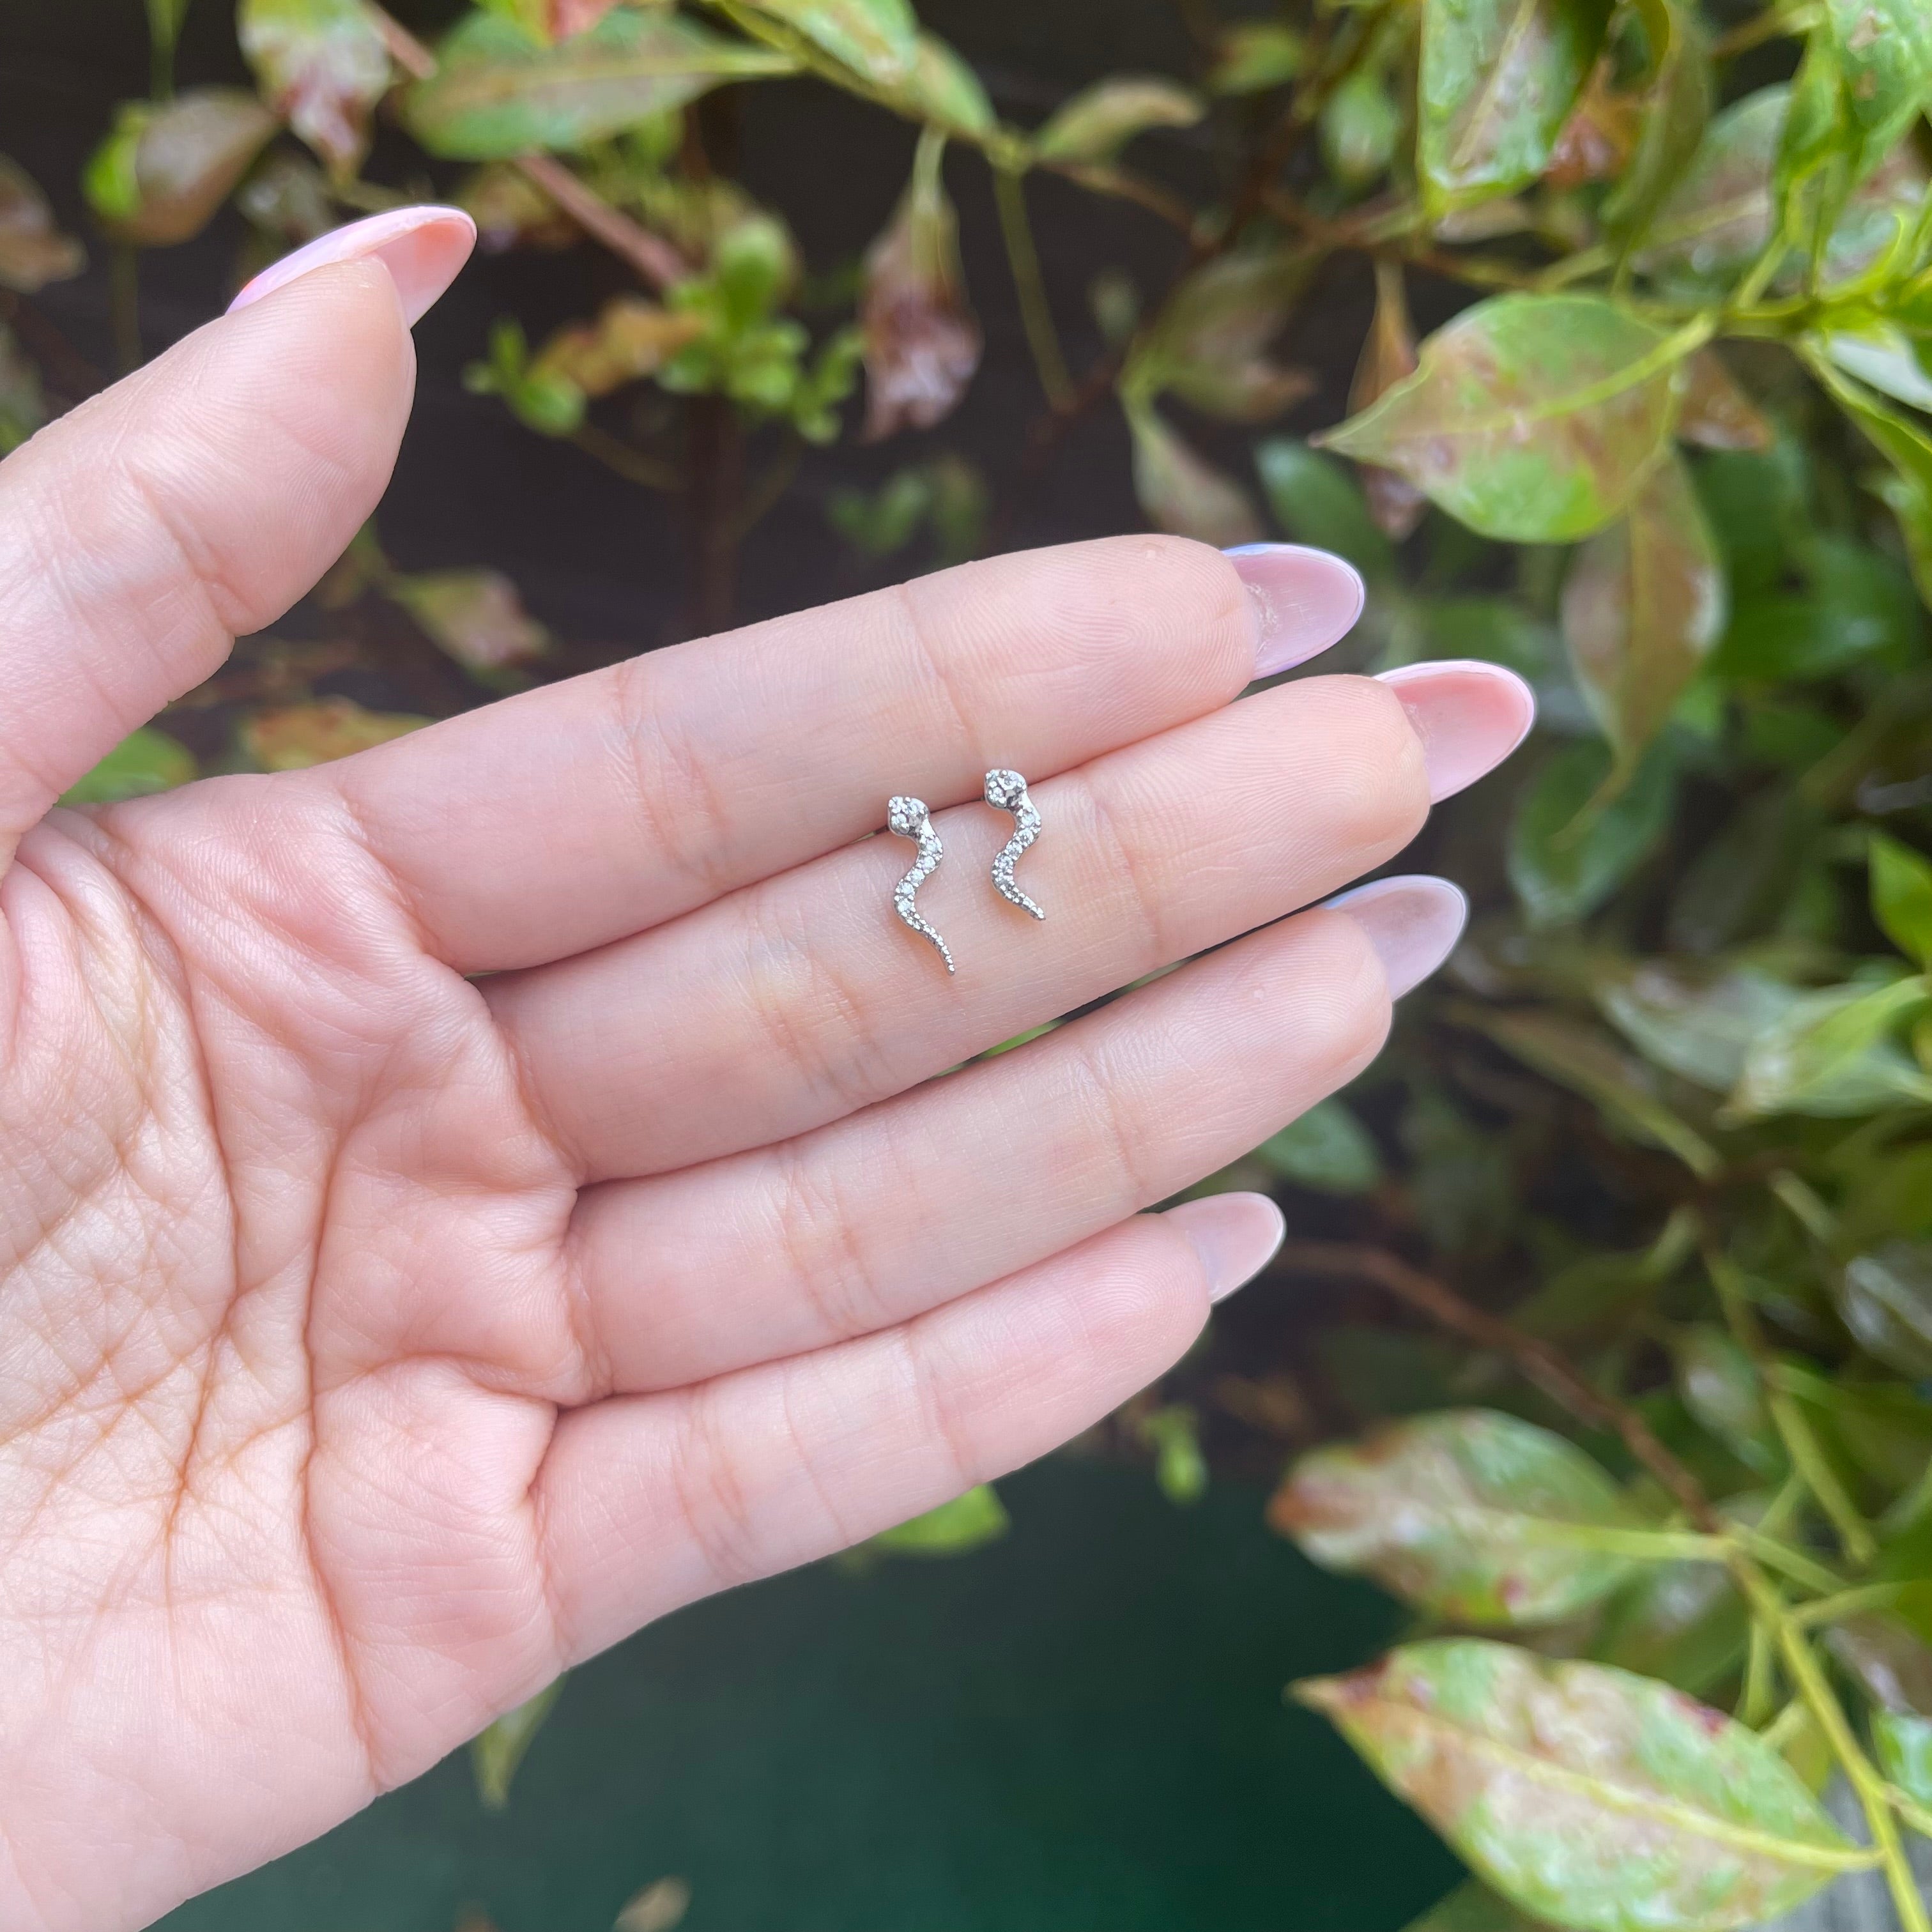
{"points": [[1006, 791], [909, 819]]}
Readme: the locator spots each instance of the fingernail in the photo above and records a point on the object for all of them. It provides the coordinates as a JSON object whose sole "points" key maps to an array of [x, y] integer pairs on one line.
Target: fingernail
{"points": [[1304, 600], [422, 248], [1413, 923], [1235, 1234], [1470, 716]]}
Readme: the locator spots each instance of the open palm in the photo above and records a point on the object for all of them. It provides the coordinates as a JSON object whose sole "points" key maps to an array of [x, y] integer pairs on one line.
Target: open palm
{"points": [[460, 1203]]}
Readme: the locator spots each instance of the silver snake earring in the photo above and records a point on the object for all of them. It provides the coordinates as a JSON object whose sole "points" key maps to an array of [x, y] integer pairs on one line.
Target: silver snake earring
{"points": [[1006, 791], [909, 819]]}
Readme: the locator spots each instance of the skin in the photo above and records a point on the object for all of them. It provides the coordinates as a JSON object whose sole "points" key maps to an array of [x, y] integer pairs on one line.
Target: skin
{"points": [[377, 1340]]}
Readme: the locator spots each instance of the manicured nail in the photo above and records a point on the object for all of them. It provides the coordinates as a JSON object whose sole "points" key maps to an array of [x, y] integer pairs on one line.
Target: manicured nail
{"points": [[1304, 600], [1413, 923], [1235, 1234], [1470, 716], [422, 248]]}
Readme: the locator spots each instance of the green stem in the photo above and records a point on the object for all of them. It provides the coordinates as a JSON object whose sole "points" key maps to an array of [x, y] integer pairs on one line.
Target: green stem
{"points": [[633, 465], [1846, 1603], [1760, 1689], [1874, 1795], [1915, 1815], [1788, 1562], [1036, 311]]}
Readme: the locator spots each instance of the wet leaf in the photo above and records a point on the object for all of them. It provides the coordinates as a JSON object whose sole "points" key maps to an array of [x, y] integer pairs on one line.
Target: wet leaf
{"points": [[496, 1756], [967, 1523], [1469, 1513], [1682, 1622], [292, 737], [1316, 501], [1499, 78], [1209, 344], [1580, 1057], [1098, 121], [1585, 1794], [876, 38], [1717, 218], [1184, 493], [33, 251], [322, 66], [1361, 123], [1903, 1745], [1531, 418], [657, 1908], [1883, 358], [1328, 1149], [1901, 895], [922, 342], [1885, 1298], [1833, 1055], [1565, 859], [163, 170], [1643, 605], [145, 762], [1388, 357], [475, 617], [498, 92], [1256, 55], [1907, 448], [1859, 607], [1717, 414]]}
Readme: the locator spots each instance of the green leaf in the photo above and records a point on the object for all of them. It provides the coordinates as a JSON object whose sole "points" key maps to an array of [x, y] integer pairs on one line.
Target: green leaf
{"points": [[1183, 492], [495, 1755], [1884, 49], [1683, 1622], [1531, 419], [1316, 501], [1833, 1055], [1903, 1745], [163, 170], [321, 65], [1256, 55], [1499, 78], [1720, 1387], [1643, 606], [1883, 358], [660, 1907], [1859, 607], [1698, 1023], [1361, 122], [1180, 1469], [1717, 218], [1099, 120], [1469, 1513], [878, 39], [33, 251], [294, 737], [1209, 344], [497, 92], [1473, 1907], [1907, 448], [1888, 1657], [943, 88], [1884, 1297], [1585, 1794], [1581, 1057], [144, 762], [1717, 413], [1901, 895], [1566, 859], [1676, 113], [1328, 1149], [967, 1523]]}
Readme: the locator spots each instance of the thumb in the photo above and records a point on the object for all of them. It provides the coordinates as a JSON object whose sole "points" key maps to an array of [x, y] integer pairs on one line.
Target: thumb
{"points": [[199, 498]]}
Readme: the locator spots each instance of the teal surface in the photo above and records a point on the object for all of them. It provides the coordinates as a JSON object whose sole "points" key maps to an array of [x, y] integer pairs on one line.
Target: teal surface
{"points": [[1079, 1730]]}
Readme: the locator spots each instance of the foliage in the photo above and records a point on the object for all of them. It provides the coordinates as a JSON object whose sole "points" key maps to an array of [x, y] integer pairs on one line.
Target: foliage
{"points": [[1658, 1155]]}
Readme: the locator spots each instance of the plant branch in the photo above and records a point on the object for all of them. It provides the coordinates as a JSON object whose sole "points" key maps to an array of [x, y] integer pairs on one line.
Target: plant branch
{"points": [[1543, 1365], [1036, 311], [633, 465], [654, 259]]}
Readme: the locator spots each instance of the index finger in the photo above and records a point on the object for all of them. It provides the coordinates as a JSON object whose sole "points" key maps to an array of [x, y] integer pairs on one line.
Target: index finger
{"points": [[563, 818]]}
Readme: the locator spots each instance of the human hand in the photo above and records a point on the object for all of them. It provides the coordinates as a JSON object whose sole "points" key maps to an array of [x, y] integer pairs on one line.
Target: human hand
{"points": [[379, 1340]]}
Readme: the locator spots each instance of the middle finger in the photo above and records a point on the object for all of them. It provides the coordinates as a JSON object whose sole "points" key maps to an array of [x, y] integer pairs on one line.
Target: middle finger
{"points": [[796, 1001]]}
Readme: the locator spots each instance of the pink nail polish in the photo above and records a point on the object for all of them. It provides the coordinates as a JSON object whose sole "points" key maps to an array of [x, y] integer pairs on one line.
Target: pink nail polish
{"points": [[423, 249], [1413, 923], [1304, 601], [1469, 715], [1235, 1235]]}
